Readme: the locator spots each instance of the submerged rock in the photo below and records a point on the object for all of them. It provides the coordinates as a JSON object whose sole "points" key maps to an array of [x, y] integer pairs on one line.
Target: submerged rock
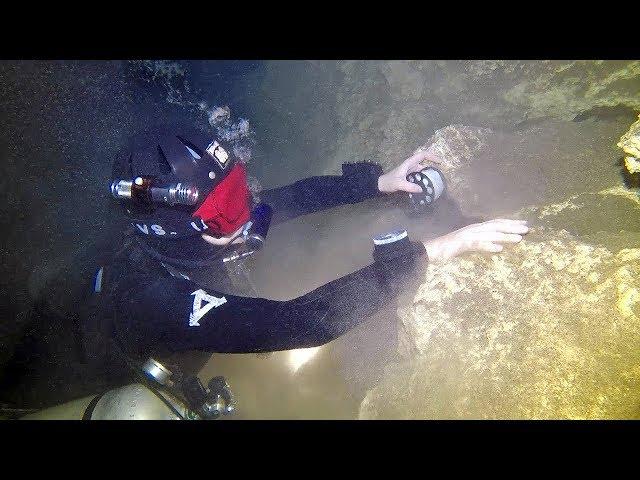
{"points": [[495, 173], [549, 328], [630, 144], [567, 89], [457, 146], [508, 90]]}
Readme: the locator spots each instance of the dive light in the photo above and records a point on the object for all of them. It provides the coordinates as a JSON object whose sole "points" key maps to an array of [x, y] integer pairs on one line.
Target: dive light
{"points": [[142, 189], [431, 181]]}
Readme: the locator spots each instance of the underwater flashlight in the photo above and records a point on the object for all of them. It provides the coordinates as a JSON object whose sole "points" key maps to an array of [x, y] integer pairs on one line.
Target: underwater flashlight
{"points": [[433, 185], [142, 189]]}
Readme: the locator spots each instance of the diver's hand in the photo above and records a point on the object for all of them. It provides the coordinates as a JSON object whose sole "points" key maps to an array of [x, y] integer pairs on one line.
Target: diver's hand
{"points": [[396, 179], [478, 237]]}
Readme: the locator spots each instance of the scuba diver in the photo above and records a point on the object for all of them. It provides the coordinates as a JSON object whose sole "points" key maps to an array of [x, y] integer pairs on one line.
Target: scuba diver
{"points": [[156, 302], [189, 208]]}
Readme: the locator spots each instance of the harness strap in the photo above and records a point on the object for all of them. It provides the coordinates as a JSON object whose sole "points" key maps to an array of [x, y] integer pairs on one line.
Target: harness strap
{"points": [[88, 413]]}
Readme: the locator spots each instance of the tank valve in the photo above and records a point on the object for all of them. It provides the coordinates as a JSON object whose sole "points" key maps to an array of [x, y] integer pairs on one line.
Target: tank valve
{"points": [[210, 402]]}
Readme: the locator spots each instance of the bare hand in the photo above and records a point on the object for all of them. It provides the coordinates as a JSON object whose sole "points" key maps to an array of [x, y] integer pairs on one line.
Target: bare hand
{"points": [[478, 237], [396, 179]]}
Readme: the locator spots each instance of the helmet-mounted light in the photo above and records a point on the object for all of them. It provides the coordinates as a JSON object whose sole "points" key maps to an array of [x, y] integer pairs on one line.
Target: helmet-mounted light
{"points": [[144, 190]]}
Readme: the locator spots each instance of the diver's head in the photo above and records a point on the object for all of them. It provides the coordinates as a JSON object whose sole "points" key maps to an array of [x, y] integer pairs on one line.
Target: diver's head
{"points": [[185, 194]]}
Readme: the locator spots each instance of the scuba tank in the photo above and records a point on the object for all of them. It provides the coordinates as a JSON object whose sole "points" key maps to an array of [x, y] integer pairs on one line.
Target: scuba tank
{"points": [[159, 395], [154, 391]]}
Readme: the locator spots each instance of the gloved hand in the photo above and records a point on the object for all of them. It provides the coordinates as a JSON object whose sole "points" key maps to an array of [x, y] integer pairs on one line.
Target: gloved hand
{"points": [[396, 179], [478, 237]]}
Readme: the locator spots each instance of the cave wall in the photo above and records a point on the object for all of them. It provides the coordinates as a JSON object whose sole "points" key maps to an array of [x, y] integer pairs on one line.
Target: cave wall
{"points": [[384, 109]]}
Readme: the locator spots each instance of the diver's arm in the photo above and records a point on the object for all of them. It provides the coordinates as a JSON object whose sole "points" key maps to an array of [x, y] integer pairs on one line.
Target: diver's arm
{"points": [[182, 316], [358, 182]]}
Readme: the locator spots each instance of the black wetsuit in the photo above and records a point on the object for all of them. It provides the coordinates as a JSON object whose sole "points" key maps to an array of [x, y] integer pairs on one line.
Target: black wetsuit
{"points": [[153, 307], [148, 310]]}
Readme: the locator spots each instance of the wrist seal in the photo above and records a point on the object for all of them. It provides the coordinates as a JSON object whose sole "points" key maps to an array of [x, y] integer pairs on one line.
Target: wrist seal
{"points": [[394, 259], [394, 244]]}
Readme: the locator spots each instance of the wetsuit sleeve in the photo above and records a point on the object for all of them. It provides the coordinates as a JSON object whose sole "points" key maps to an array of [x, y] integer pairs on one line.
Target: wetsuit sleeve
{"points": [[358, 182], [180, 315]]}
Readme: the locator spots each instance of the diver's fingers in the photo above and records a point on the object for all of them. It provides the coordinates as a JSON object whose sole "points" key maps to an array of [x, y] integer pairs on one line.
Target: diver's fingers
{"points": [[502, 237], [489, 247], [416, 158], [416, 168], [409, 187], [508, 220], [506, 226], [513, 228], [419, 157]]}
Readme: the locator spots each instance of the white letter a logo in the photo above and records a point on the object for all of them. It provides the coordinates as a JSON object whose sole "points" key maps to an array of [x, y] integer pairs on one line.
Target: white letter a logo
{"points": [[199, 310]]}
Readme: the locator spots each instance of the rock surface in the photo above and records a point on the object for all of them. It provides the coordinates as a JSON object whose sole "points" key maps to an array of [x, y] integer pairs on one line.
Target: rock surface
{"points": [[547, 329], [456, 144], [496, 173], [384, 107], [630, 144]]}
